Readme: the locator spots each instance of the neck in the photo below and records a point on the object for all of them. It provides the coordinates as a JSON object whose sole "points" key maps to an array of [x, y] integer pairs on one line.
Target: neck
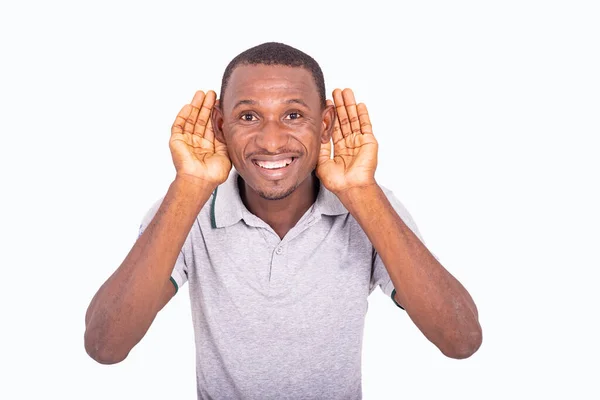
{"points": [[281, 215]]}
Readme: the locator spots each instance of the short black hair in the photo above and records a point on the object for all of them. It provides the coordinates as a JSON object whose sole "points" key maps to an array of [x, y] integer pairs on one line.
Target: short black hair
{"points": [[274, 53]]}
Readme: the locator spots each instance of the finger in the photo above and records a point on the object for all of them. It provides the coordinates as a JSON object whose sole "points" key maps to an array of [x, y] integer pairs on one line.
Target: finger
{"points": [[350, 104], [363, 118], [204, 116], [209, 134], [198, 99], [195, 109], [179, 123], [336, 134], [341, 112]]}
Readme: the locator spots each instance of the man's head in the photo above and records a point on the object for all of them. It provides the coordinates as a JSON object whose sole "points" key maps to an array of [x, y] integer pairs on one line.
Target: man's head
{"points": [[273, 118], [273, 53]]}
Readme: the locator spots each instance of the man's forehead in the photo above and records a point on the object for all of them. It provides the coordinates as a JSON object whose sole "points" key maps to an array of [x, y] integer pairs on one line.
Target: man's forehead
{"points": [[257, 80]]}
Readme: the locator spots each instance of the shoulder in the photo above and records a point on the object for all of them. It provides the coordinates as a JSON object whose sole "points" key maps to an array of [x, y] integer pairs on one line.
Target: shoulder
{"points": [[394, 200], [155, 205], [401, 210]]}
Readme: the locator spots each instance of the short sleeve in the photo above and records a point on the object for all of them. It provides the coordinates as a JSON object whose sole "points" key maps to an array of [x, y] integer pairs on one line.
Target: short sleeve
{"points": [[179, 274], [380, 276]]}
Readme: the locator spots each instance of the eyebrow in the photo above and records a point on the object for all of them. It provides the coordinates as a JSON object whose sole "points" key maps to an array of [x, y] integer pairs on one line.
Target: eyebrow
{"points": [[297, 101], [242, 102], [253, 103]]}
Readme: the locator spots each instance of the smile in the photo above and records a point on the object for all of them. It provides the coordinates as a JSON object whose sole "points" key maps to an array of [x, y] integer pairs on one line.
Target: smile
{"points": [[275, 169], [275, 164]]}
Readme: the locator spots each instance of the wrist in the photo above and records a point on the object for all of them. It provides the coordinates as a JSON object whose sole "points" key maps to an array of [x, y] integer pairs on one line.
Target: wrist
{"points": [[356, 198], [193, 184], [357, 191]]}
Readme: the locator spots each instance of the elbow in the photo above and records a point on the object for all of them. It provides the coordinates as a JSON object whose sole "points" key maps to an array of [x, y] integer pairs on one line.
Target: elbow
{"points": [[465, 346], [102, 352], [105, 357]]}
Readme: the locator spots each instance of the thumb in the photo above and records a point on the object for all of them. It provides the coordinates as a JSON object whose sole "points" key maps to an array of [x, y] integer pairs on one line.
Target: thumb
{"points": [[324, 153], [221, 148]]}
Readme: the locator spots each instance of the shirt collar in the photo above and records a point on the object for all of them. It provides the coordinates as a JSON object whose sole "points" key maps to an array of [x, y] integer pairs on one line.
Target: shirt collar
{"points": [[228, 209]]}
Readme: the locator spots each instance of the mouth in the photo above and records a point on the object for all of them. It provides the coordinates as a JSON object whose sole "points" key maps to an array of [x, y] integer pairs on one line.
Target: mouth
{"points": [[272, 165], [275, 169]]}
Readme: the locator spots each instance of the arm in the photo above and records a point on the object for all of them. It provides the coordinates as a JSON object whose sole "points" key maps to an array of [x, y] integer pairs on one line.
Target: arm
{"points": [[436, 302], [126, 304], [124, 307]]}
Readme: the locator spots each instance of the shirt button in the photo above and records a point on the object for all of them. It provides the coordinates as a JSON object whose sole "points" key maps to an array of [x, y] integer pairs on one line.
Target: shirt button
{"points": [[279, 250]]}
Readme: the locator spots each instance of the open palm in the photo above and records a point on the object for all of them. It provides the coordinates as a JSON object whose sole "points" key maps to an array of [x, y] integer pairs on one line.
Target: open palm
{"points": [[195, 150], [354, 146]]}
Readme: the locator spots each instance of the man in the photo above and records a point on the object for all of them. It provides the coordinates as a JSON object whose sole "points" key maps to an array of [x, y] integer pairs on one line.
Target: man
{"points": [[281, 252]]}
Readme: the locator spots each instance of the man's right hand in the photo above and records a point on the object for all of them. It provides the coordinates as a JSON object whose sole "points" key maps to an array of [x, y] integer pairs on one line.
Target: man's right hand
{"points": [[196, 153], [124, 307]]}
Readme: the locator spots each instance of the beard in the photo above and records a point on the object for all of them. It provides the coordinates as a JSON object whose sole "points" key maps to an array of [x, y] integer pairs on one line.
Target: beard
{"points": [[276, 194]]}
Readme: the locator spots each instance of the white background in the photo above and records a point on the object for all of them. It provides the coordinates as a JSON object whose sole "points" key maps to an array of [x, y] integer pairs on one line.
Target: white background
{"points": [[487, 115]]}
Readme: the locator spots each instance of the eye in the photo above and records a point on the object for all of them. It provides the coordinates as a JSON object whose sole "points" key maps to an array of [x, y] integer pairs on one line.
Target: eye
{"points": [[247, 117], [294, 115]]}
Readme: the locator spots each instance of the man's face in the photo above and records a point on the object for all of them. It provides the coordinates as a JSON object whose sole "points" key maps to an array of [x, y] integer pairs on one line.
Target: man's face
{"points": [[273, 124]]}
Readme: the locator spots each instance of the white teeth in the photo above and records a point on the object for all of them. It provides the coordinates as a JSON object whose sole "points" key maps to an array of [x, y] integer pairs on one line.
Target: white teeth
{"points": [[274, 164]]}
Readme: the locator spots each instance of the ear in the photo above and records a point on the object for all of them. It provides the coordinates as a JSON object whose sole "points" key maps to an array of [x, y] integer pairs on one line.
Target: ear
{"points": [[216, 117], [328, 118]]}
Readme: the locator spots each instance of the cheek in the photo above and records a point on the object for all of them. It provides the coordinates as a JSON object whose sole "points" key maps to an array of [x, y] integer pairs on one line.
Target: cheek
{"points": [[236, 143], [312, 145], [312, 141]]}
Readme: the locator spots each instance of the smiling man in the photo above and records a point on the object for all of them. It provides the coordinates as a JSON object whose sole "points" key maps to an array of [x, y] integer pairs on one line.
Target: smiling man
{"points": [[282, 251]]}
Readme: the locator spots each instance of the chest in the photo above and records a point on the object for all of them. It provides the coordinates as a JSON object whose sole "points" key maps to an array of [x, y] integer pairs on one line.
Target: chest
{"points": [[309, 274], [315, 258]]}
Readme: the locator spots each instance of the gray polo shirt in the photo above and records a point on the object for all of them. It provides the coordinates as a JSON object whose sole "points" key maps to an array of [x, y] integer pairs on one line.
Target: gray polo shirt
{"points": [[278, 319]]}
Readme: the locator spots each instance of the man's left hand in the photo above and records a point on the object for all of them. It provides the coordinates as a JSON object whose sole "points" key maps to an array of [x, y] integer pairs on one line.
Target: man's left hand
{"points": [[354, 147]]}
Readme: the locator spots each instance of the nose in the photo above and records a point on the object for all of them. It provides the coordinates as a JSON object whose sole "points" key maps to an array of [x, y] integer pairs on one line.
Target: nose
{"points": [[273, 136]]}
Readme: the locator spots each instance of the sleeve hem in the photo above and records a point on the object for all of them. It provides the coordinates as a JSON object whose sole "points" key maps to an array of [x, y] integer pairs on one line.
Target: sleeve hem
{"points": [[174, 284], [394, 299]]}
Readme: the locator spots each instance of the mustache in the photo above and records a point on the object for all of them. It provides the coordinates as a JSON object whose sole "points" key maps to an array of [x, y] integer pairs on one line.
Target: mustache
{"points": [[270, 153]]}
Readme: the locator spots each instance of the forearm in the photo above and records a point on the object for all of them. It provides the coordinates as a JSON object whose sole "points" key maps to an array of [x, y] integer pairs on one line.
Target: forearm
{"points": [[125, 306], [437, 303]]}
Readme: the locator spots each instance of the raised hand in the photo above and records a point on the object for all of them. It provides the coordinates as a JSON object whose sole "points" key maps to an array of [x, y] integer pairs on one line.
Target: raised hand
{"points": [[195, 151], [354, 147]]}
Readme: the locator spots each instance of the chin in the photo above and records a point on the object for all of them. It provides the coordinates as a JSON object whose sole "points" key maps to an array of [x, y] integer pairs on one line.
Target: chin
{"points": [[275, 193], [274, 187]]}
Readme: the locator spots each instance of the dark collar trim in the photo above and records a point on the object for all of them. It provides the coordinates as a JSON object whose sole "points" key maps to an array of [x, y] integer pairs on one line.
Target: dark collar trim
{"points": [[213, 221]]}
